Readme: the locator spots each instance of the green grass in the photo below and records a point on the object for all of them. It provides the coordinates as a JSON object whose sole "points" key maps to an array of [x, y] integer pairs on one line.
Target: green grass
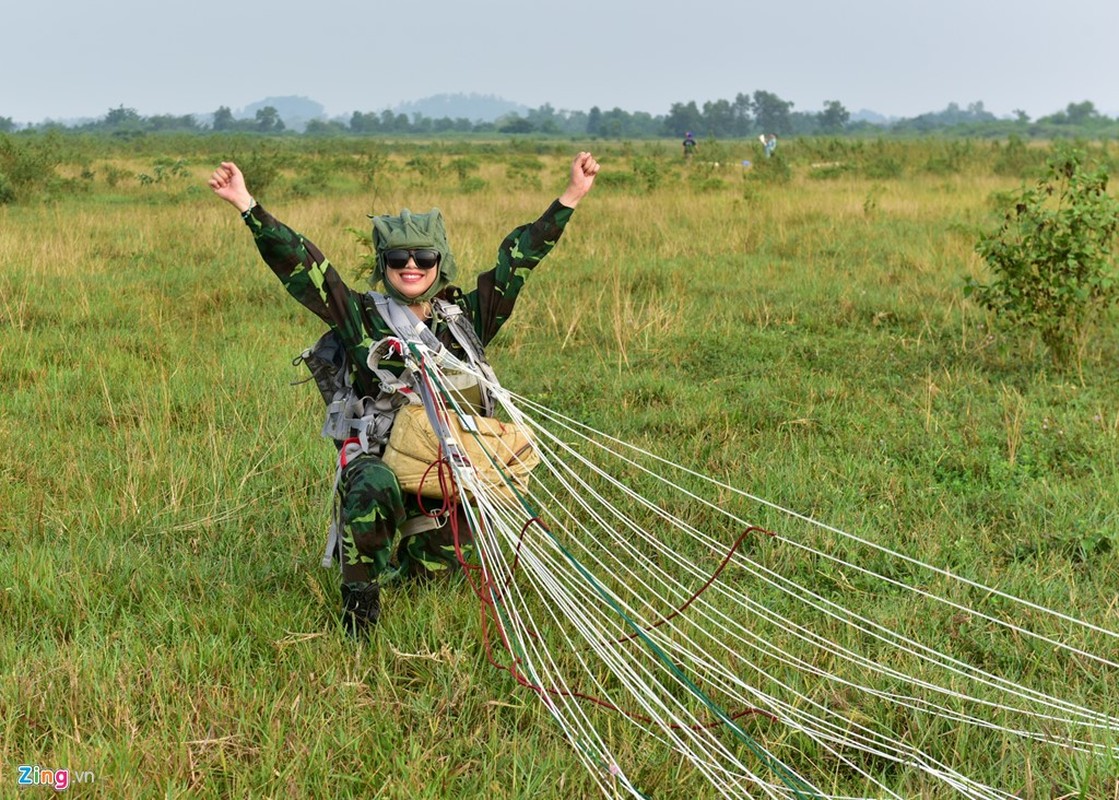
{"points": [[163, 491]]}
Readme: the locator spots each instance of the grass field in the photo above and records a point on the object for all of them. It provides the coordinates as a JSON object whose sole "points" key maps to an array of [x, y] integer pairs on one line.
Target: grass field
{"points": [[797, 329]]}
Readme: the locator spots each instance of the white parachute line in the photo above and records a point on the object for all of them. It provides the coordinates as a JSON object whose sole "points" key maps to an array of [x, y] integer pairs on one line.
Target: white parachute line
{"points": [[912, 760], [592, 636], [932, 706], [574, 426], [920, 592], [872, 741], [635, 681], [728, 680], [924, 705], [572, 722], [796, 593], [755, 642], [571, 612], [624, 670], [922, 651]]}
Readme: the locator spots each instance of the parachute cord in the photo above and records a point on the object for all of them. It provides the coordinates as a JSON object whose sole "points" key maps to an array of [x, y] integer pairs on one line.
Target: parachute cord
{"points": [[703, 588], [488, 615]]}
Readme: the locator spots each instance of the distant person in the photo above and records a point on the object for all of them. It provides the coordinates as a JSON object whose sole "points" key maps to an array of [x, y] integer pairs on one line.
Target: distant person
{"points": [[381, 535], [769, 143], [689, 145]]}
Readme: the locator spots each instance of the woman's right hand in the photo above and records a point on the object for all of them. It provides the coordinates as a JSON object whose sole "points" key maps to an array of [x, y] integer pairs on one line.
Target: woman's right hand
{"points": [[229, 184]]}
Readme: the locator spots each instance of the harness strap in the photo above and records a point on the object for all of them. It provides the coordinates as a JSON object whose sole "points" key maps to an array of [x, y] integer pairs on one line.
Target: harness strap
{"points": [[420, 524], [363, 424], [351, 448], [464, 333]]}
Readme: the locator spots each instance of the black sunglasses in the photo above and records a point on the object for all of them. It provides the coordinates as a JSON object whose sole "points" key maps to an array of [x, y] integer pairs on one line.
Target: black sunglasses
{"points": [[425, 258]]}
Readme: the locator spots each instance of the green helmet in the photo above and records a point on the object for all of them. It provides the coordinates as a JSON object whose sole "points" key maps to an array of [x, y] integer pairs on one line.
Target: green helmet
{"points": [[410, 231]]}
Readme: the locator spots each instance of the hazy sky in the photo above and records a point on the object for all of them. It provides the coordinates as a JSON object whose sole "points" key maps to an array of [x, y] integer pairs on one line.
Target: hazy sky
{"points": [[73, 58]]}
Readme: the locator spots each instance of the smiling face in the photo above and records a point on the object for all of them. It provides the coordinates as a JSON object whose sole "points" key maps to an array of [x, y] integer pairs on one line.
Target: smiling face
{"points": [[411, 281], [411, 272]]}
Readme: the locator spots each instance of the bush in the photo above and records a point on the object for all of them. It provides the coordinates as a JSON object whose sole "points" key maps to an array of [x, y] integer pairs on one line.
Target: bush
{"points": [[617, 180], [1051, 255], [7, 191], [261, 169], [649, 171], [772, 170], [28, 165], [472, 184], [1015, 159]]}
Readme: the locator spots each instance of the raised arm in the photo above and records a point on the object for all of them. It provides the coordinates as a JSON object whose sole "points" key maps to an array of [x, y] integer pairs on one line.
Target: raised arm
{"points": [[302, 268], [491, 303]]}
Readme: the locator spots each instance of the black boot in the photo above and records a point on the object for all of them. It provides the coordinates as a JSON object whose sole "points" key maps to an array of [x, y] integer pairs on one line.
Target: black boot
{"points": [[361, 607]]}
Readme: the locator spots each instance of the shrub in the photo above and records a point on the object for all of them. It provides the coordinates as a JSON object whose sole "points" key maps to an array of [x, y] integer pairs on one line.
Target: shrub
{"points": [[28, 165], [261, 169], [1050, 256], [472, 184], [1015, 158], [649, 171], [772, 170]]}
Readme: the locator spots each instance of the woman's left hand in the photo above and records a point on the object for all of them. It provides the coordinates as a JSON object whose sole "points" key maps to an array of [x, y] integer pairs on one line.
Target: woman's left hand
{"points": [[583, 170]]}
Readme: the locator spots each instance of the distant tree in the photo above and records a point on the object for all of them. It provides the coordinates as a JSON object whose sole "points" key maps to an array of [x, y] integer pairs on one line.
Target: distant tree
{"points": [[803, 123], [594, 121], [223, 119], [544, 119], [683, 117], [616, 123], [718, 118], [772, 113], [322, 127], [977, 113], [743, 122], [365, 123], [515, 124], [1021, 116], [1082, 113], [833, 118], [121, 116], [268, 120], [169, 122], [574, 122], [950, 117], [394, 123], [7, 125], [645, 124]]}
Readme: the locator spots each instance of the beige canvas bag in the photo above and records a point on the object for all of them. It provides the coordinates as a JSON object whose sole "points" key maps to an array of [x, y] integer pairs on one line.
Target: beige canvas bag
{"points": [[501, 453]]}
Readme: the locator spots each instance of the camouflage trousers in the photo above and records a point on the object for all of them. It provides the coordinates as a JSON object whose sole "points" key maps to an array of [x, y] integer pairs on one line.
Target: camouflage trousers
{"points": [[372, 511]]}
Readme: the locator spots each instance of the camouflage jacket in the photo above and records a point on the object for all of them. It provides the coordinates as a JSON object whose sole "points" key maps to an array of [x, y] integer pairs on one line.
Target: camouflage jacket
{"points": [[311, 279]]}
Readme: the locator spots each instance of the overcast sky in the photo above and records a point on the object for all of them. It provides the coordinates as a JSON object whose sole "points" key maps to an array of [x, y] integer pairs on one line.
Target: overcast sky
{"points": [[72, 58]]}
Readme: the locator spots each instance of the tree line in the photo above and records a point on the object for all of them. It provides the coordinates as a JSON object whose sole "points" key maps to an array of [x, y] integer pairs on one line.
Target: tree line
{"points": [[747, 115]]}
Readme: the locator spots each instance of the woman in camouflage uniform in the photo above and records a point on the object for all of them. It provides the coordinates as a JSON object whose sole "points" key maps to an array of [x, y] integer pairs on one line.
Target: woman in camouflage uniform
{"points": [[414, 266]]}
